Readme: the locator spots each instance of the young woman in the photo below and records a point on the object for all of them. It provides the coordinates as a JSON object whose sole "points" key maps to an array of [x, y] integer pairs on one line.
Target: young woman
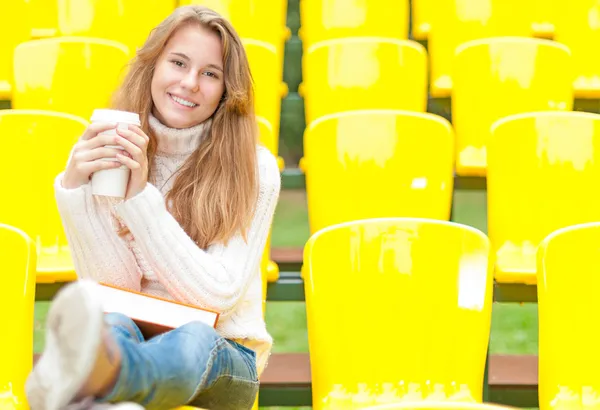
{"points": [[192, 228]]}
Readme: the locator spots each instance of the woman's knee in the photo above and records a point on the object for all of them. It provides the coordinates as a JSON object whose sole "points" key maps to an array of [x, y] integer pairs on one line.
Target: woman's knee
{"points": [[123, 325]]}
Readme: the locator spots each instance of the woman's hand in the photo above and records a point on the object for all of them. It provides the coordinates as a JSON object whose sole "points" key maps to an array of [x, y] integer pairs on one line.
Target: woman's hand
{"points": [[135, 143], [88, 155]]}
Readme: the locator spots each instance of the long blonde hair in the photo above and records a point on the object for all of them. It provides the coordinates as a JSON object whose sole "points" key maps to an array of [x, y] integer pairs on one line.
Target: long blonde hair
{"points": [[214, 195]]}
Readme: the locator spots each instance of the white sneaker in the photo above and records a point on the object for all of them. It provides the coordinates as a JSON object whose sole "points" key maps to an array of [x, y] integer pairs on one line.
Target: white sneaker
{"points": [[73, 336]]}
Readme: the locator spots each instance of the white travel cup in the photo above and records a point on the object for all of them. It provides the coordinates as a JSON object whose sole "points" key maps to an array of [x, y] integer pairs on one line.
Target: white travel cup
{"points": [[113, 182]]}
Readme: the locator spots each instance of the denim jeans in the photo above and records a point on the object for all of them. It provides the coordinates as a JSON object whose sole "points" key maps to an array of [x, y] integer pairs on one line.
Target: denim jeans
{"points": [[190, 365]]}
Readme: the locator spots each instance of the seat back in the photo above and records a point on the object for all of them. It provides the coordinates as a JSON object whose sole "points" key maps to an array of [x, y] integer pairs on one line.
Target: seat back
{"points": [[268, 81], [458, 21], [334, 19], [270, 270], [577, 27], [542, 176], [422, 12], [74, 75], [17, 299], [44, 17], [35, 149], [543, 16], [127, 22], [363, 74], [426, 284], [14, 29], [439, 405], [568, 285], [498, 77], [371, 164]]}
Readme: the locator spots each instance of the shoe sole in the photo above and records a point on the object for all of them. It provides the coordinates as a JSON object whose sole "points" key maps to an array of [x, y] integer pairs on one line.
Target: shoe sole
{"points": [[73, 337]]}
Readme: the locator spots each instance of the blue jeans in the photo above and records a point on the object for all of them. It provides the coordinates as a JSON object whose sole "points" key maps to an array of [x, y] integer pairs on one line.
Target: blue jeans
{"points": [[190, 365]]}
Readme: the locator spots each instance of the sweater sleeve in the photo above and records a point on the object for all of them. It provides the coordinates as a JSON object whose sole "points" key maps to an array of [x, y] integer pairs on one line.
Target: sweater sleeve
{"points": [[216, 278], [98, 252]]}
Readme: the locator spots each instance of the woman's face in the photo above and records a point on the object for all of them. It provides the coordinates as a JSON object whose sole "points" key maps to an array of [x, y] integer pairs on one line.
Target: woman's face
{"points": [[188, 79]]}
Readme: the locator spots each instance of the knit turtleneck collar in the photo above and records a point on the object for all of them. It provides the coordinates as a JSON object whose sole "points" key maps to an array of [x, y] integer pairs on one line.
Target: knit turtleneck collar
{"points": [[175, 141]]}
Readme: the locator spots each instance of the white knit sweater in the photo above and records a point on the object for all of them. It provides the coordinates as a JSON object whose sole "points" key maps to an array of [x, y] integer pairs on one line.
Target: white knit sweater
{"points": [[159, 258]]}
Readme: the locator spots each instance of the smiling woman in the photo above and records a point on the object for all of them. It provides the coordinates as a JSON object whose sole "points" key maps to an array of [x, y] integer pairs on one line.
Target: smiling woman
{"points": [[192, 228], [187, 86]]}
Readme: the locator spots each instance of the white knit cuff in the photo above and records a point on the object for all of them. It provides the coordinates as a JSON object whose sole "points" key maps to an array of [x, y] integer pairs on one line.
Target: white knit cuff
{"points": [[72, 201], [145, 206]]}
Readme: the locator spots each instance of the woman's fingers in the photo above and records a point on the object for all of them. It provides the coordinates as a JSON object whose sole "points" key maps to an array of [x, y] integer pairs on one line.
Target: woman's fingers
{"points": [[95, 128], [129, 162], [140, 140], [139, 132], [99, 141], [136, 152], [88, 168], [97, 153]]}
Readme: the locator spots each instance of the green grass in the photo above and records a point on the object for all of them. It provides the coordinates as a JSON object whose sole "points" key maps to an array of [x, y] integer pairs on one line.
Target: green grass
{"points": [[514, 326]]}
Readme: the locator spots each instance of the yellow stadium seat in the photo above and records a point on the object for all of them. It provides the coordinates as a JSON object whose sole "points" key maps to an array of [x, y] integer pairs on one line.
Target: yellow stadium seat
{"points": [[544, 14], [17, 298], [74, 75], [439, 405], [458, 21], [422, 11], [499, 77], [44, 18], [542, 175], [335, 19], [270, 270], [371, 164], [263, 20], [269, 87], [568, 263], [44, 140], [363, 74], [128, 22], [578, 27], [14, 29], [427, 284]]}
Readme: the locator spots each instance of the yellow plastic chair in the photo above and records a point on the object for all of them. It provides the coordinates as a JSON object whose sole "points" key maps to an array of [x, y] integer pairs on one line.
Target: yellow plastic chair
{"points": [[363, 74], [127, 22], [263, 20], [35, 149], [439, 405], [371, 164], [14, 29], [568, 263], [269, 87], [44, 18], [17, 296], [427, 283], [542, 173], [334, 19], [458, 21], [578, 27], [74, 75], [544, 14], [270, 270], [422, 12], [498, 77]]}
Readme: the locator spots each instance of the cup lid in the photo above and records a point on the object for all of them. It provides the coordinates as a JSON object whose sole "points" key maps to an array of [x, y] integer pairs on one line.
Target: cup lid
{"points": [[105, 115]]}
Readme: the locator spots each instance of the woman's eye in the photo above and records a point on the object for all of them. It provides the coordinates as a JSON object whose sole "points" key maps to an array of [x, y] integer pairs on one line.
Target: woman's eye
{"points": [[210, 74], [177, 63]]}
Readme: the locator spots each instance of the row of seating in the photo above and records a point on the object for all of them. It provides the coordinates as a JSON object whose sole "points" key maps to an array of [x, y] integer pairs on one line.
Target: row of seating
{"points": [[543, 167], [415, 296], [494, 78]]}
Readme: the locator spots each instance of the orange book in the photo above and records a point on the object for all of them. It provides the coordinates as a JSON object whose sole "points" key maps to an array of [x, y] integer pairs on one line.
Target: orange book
{"points": [[152, 314]]}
